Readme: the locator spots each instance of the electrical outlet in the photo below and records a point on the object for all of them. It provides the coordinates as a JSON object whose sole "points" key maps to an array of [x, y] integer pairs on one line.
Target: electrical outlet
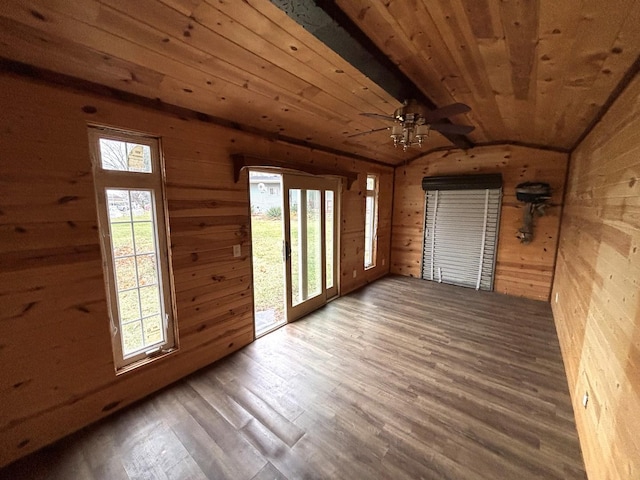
{"points": [[237, 250], [383, 262], [585, 399], [354, 273], [557, 295]]}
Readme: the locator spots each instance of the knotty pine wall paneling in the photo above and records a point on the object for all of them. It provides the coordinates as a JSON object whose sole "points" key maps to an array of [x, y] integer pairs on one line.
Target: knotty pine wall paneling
{"points": [[595, 298], [57, 370], [521, 270]]}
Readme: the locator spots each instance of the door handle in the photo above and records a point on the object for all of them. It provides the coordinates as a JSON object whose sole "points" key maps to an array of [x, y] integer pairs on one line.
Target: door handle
{"points": [[286, 250]]}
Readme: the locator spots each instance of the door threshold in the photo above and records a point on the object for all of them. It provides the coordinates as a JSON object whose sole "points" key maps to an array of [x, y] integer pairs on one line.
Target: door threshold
{"points": [[270, 329]]}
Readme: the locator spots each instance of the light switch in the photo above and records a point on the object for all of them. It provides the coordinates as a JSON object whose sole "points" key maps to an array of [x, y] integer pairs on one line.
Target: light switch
{"points": [[237, 250]]}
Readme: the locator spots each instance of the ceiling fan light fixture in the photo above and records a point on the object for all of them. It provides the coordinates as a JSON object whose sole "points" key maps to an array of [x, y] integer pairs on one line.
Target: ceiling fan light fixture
{"points": [[422, 133], [408, 135], [396, 134]]}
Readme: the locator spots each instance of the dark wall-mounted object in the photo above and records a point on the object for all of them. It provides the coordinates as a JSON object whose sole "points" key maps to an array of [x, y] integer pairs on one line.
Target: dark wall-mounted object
{"points": [[533, 192], [462, 182], [535, 195]]}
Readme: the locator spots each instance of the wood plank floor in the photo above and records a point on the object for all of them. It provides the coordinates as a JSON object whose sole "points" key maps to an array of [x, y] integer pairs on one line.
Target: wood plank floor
{"points": [[404, 379]]}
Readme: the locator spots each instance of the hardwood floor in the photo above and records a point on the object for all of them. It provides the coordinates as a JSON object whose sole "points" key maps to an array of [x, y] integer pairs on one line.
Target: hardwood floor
{"points": [[404, 379]]}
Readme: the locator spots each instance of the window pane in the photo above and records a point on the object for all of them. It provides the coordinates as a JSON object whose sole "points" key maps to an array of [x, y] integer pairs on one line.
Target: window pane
{"points": [[141, 204], [370, 221], [132, 337], [144, 236], [129, 305], [147, 270], [122, 239], [125, 156], [119, 206], [150, 300], [153, 330], [371, 183], [368, 237], [125, 273]]}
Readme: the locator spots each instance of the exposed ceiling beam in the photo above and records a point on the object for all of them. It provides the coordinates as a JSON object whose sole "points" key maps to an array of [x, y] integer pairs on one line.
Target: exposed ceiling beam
{"points": [[329, 24]]}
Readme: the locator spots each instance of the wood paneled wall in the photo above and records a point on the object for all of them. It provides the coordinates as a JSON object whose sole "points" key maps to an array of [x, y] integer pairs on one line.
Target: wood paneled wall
{"points": [[597, 284], [57, 370], [521, 270]]}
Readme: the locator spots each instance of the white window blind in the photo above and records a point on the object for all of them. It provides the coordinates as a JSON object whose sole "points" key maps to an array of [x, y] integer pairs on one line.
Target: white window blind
{"points": [[460, 236]]}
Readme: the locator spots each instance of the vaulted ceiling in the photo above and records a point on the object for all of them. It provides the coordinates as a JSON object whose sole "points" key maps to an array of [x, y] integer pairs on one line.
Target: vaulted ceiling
{"points": [[533, 71]]}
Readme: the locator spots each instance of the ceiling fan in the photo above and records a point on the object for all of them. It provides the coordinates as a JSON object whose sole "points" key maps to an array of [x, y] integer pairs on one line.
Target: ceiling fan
{"points": [[414, 121]]}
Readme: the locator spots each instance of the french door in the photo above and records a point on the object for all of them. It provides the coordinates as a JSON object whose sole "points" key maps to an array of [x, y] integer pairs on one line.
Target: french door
{"points": [[311, 242]]}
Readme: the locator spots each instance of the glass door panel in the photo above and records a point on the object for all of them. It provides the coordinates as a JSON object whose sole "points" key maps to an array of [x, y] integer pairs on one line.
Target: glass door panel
{"points": [[295, 245], [305, 215], [329, 234], [310, 253]]}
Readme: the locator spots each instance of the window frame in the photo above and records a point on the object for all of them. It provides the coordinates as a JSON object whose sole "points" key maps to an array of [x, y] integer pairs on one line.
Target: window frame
{"points": [[374, 220], [154, 181]]}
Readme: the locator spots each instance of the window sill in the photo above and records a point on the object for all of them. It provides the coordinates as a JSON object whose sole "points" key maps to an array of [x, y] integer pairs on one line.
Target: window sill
{"points": [[145, 361]]}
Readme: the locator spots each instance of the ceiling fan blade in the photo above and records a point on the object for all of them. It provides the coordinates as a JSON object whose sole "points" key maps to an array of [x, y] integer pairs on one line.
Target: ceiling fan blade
{"points": [[451, 128], [447, 111], [368, 132], [388, 118]]}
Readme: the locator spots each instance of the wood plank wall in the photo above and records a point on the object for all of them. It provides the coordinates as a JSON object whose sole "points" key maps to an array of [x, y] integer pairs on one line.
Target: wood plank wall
{"points": [[57, 370], [597, 284], [521, 270]]}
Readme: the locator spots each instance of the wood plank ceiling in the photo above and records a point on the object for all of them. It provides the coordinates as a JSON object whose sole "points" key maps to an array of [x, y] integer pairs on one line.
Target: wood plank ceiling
{"points": [[535, 72]]}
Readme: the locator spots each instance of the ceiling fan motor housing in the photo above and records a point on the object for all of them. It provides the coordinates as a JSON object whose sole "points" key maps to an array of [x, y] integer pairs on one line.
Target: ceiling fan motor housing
{"points": [[411, 112]]}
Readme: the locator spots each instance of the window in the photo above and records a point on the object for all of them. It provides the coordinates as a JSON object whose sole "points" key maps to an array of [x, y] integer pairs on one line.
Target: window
{"points": [[371, 222], [129, 192]]}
